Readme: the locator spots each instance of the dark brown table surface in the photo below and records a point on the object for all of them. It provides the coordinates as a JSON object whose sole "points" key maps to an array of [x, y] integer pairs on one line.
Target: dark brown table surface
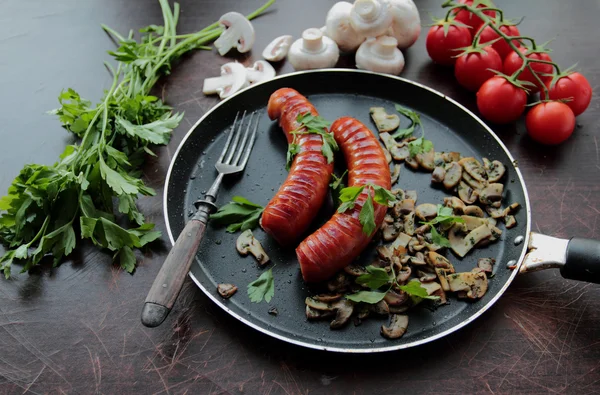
{"points": [[76, 328]]}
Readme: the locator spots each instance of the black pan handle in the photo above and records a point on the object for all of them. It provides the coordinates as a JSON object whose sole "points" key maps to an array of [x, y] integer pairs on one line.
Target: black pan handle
{"points": [[582, 261], [576, 258]]}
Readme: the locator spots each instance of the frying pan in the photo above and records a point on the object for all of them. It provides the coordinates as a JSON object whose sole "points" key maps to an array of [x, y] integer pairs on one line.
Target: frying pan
{"points": [[335, 93]]}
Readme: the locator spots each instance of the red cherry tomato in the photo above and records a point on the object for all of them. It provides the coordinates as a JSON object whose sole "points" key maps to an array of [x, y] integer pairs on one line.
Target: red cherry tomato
{"points": [[501, 46], [500, 101], [513, 62], [550, 123], [443, 47], [473, 69], [470, 19], [573, 86]]}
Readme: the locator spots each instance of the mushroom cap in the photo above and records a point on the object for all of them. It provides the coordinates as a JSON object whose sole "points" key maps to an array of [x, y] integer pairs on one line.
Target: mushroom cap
{"points": [[239, 33], [278, 48], [406, 22], [370, 18], [339, 28], [380, 55], [233, 78], [313, 51]]}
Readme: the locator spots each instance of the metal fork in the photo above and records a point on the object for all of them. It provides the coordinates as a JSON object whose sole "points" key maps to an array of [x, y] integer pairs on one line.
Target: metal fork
{"points": [[169, 280]]}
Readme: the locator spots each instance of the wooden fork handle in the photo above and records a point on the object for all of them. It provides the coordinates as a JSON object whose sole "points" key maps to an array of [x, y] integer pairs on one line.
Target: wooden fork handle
{"points": [[168, 282]]}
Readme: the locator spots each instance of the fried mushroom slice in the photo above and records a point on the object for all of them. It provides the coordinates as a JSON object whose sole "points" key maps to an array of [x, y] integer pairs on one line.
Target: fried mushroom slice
{"points": [[396, 328]]}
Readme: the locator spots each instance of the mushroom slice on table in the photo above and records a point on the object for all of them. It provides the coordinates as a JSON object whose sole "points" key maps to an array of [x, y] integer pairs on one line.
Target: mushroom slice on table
{"points": [[339, 28], [396, 328], [380, 55], [384, 122], [234, 77], [260, 71], [278, 48], [238, 33], [246, 243], [313, 51]]}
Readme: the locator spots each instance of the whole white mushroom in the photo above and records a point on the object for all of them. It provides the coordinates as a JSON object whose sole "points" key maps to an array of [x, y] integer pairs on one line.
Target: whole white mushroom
{"points": [[313, 51], [339, 28], [406, 22], [370, 18], [380, 55]]}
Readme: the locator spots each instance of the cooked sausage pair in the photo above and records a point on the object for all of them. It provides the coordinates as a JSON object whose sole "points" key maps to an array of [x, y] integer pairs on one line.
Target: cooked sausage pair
{"points": [[296, 203]]}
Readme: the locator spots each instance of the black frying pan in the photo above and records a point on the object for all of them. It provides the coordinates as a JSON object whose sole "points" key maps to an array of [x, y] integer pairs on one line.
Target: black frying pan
{"points": [[335, 93]]}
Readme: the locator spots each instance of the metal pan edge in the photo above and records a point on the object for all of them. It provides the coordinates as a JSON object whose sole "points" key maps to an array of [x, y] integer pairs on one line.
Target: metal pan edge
{"points": [[481, 310]]}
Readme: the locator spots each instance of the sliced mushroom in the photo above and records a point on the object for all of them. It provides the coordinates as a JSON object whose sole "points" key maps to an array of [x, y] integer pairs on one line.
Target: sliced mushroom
{"points": [[426, 211], [453, 175], [402, 153], [431, 287], [396, 173], [383, 121], [473, 183], [260, 71], [278, 48], [450, 157], [388, 219], [234, 77], [457, 205], [385, 253], [494, 212], [473, 168], [388, 156], [343, 312], [473, 222], [511, 209], [314, 314], [401, 241], [389, 232], [398, 193], [442, 277], [466, 193], [473, 284], [495, 170], [399, 309], [327, 298], [486, 264], [438, 174], [439, 261], [238, 33], [380, 308], [426, 277], [339, 283], [404, 206], [438, 159], [410, 195], [409, 223], [491, 193], [441, 294], [426, 159], [461, 246], [496, 233], [226, 290], [510, 221], [474, 211], [247, 243], [423, 229], [393, 298], [396, 328], [403, 275], [418, 259], [412, 163], [354, 270]]}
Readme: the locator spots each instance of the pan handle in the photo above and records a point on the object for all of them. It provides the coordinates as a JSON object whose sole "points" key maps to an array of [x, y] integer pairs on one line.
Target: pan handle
{"points": [[577, 258]]}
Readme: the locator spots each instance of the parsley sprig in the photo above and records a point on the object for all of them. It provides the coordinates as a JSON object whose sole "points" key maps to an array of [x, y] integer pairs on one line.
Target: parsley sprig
{"points": [[420, 145], [376, 278], [444, 217], [239, 214], [312, 124], [349, 195], [97, 180]]}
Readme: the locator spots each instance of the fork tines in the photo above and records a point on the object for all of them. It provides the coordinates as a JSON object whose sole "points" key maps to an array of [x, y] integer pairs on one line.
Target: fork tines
{"points": [[236, 153]]}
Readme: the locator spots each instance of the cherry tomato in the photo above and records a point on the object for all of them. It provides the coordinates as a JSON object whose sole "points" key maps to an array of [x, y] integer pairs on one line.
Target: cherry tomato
{"points": [[470, 19], [513, 62], [500, 101], [550, 123], [473, 69], [501, 46], [573, 86], [443, 47]]}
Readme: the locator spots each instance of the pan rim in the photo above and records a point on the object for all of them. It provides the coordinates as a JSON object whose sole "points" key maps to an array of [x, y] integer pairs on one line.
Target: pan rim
{"points": [[392, 347]]}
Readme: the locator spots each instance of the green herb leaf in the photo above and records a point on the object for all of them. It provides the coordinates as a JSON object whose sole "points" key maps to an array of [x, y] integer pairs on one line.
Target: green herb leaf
{"points": [[367, 216], [415, 120], [293, 150], [414, 288], [262, 287], [370, 297], [383, 196], [313, 124], [438, 239], [337, 185], [240, 214], [418, 146], [375, 277]]}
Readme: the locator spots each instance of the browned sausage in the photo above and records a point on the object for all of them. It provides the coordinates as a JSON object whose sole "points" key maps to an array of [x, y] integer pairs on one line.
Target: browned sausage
{"points": [[292, 209], [341, 239]]}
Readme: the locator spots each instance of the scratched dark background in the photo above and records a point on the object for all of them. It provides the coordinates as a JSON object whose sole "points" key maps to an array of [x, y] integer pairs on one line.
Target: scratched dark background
{"points": [[76, 329]]}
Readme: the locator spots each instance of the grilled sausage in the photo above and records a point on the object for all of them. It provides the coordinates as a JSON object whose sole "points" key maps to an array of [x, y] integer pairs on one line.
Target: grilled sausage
{"points": [[341, 239], [290, 212]]}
